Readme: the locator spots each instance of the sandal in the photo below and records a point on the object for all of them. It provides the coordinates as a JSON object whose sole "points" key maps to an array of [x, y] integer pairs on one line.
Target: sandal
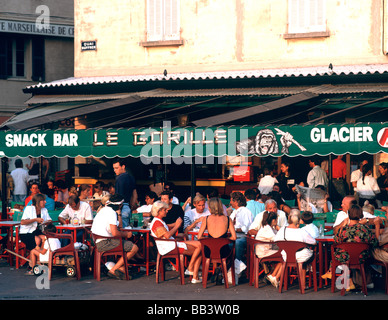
{"points": [[113, 275]]}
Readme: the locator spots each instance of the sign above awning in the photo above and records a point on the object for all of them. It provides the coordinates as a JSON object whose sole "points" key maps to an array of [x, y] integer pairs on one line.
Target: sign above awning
{"points": [[186, 142]]}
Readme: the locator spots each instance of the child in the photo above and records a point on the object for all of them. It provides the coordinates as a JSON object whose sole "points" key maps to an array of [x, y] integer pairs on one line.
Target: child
{"points": [[41, 253], [307, 219]]}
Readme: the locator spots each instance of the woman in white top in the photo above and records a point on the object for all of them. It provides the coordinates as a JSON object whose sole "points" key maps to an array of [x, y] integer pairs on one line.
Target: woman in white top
{"points": [[267, 233], [367, 186], [292, 232], [32, 217], [159, 229]]}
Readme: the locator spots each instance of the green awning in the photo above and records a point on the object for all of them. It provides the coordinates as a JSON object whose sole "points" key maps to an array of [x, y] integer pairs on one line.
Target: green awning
{"points": [[177, 142]]}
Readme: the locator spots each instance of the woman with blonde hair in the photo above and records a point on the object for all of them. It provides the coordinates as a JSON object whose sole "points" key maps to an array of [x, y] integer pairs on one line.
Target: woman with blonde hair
{"points": [[159, 229]]}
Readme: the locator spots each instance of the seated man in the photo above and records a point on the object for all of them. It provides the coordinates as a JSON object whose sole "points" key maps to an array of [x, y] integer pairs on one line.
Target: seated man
{"points": [[343, 218], [77, 212], [242, 218], [270, 206], [107, 224]]}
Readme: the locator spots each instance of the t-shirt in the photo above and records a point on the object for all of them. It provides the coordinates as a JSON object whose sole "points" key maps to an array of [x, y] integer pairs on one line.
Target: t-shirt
{"points": [[242, 218], [144, 208], [54, 245], [20, 178], [84, 212], [192, 215], [30, 213], [50, 203], [291, 234], [125, 184], [102, 221], [173, 214]]}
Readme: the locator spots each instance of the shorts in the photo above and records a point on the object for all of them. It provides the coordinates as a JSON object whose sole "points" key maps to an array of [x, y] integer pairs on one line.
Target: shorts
{"points": [[109, 244]]}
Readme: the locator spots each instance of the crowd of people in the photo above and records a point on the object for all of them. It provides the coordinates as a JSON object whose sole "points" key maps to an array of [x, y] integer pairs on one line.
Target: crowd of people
{"points": [[264, 213]]}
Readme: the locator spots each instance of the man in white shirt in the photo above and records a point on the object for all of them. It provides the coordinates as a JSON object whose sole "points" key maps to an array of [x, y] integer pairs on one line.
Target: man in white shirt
{"points": [[20, 178], [267, 182], [242, 218], [317, 176], [76, 211], [106, 224], [343, 218], [270, 206]]}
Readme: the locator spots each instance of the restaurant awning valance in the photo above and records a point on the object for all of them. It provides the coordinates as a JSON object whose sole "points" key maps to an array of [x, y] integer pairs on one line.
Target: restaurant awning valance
{"points": [[180, 142]]}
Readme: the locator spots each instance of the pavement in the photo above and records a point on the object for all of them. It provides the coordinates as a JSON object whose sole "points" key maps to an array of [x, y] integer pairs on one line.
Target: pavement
{"points": [[143, 289]]}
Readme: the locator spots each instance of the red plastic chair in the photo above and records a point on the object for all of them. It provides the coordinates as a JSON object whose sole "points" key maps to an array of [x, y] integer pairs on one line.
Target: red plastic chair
{"points": [[291, 248], [257, 261], [172, 255], [354, 249], [99, 256], [215, 246], [67, 250]]}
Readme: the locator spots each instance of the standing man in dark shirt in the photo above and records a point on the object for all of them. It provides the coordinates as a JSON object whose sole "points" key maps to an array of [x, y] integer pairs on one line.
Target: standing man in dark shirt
{"points": [[125, 184], [174, 211]]}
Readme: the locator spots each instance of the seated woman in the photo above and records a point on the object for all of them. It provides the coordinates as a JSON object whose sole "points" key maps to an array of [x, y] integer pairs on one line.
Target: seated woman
{"points": [[33, 216], [292, 232], [354, 231], [267, 234], [40, 254], [218, 225], [380, 253], [159, 229]]}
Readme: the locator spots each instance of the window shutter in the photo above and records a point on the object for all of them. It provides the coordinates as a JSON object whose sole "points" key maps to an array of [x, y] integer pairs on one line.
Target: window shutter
{"points": [[171, 20], [38, 59], [3, 58], [154, 20]]}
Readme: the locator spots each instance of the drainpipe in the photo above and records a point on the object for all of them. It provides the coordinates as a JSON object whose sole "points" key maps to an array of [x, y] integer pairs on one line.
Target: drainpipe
{"points": [[384, 28]]}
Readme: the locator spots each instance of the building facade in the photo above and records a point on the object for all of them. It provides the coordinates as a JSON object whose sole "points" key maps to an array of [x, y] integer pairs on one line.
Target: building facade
{"points": [[36, 45], [183, 36], [207, 63]]}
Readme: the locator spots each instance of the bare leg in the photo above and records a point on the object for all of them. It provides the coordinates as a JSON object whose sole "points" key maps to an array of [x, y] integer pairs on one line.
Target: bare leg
{"points": [[120, 263], [194, 250]]}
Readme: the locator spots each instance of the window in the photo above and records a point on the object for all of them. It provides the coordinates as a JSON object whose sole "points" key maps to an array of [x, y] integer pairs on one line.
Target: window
{"points": [[12, 57], [163, 21], [14, 51], [306, 16]]}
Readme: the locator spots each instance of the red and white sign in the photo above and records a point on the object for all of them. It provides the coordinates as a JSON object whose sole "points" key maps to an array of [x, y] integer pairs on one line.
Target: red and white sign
{"points": [[382, 138]]}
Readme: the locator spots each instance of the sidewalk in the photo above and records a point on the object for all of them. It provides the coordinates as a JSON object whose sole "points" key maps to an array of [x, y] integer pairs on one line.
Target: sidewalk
{"points": [[15, 285]]}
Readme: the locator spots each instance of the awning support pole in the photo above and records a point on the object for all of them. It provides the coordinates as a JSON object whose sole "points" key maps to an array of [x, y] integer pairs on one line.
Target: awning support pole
{"points": [[4, 192], [193, 184]]}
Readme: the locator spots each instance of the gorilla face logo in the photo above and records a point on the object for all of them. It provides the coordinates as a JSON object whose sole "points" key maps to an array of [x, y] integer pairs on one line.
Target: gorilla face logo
{"points": [[266, 142]]}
